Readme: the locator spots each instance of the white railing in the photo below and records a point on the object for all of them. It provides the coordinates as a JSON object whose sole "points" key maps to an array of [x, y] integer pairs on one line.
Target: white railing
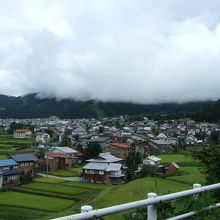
{"points": [[88, 213]]}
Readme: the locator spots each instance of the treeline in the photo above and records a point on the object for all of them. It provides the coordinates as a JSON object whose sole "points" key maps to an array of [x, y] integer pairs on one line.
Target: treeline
{"points": [[31, 107]]}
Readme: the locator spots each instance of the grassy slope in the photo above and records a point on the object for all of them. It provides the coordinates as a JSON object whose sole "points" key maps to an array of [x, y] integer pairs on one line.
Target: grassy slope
{"points": [[63, 173], [181, 159], [37, 202], [55, 188], [92, 186], [189, 175], [133, 191], [15, 213], [48, 180]]}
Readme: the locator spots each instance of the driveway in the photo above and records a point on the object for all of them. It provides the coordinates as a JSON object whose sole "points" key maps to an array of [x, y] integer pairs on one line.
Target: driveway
{"points": [[73, 179]]}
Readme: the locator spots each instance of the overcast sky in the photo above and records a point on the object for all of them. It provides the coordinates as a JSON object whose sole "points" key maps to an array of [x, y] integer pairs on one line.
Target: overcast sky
{"points": [[145, 51]]}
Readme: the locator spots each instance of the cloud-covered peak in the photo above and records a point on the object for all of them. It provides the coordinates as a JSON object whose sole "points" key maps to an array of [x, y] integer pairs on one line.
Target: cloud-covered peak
{"points": [[139, 51]]}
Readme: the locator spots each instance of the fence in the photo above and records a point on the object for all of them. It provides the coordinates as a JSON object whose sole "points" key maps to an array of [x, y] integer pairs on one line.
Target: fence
{"points": [[88, 213]]}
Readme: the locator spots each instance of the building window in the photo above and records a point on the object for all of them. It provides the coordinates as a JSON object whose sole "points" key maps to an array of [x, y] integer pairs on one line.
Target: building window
{"points": [[101, 172], [89, 171]]}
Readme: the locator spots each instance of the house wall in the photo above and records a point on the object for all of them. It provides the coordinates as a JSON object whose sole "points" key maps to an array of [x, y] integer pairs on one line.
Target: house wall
{"points": [[104, 178], [11, 180], [119, 152], [171, 170], [57, 164], [1, 181], [93, 178], [29, 166]]}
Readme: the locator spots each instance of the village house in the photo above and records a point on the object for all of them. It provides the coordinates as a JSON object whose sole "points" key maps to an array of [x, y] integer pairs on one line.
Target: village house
{"points": [[57, 161], [79, 131], [120, 150], [71, 153], [42, 137], [27, 162], [104, 169], [103, 141], [22, 133], [172, 169], [9, 173], [152, 160], [159, 146]]}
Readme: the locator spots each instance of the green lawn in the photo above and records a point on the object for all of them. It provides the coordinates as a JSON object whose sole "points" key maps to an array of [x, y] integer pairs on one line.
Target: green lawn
{"points": [[48, 180], [190, 175], [55, 188], [25, 200], [181, 159]]}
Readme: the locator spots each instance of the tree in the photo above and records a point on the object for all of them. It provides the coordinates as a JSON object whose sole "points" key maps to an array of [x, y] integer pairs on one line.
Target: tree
{"points": [[93, 149], [14, 126], [149, 170], [65, 138], [214, 137], [209, 157], [101, 129], [132, 161]]}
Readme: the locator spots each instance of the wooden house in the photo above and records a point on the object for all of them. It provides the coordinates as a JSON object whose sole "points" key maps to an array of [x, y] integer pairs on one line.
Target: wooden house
{"points": [[9, 173]]}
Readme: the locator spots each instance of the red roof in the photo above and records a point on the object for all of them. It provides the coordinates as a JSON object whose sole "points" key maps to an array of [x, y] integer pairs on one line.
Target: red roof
{"points": [[120, 145], [21, 130], [57, 155]]}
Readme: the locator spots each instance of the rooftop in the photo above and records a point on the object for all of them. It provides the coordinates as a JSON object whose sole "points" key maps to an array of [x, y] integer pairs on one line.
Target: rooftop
{"points": [[9, 162], [120, 145], [21, 157]]}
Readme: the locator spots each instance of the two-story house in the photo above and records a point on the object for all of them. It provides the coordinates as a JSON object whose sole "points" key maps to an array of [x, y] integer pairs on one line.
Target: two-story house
{"points": [[22, 133], [9, 173], [26, 161], [106, 168]]}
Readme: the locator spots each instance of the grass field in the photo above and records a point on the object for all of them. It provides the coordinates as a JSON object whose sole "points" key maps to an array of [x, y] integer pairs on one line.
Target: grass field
{"points": [[133, 191], [36, 202], [15, 213], [48, 180], [190, 175], [63, 173], [66, 173], [55, 188], [181, 159], [3, 156], [92, 186]]}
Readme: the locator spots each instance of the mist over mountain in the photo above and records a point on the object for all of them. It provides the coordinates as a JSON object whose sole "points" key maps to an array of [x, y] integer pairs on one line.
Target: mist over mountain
{"points": [[31, 106]]}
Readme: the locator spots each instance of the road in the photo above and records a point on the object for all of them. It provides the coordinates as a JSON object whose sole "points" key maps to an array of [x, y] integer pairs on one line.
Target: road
{"points": [[73, 179]]}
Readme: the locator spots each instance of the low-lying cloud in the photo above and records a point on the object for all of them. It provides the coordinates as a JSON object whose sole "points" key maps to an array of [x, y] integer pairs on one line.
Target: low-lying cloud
{"points": [[143, 51]]}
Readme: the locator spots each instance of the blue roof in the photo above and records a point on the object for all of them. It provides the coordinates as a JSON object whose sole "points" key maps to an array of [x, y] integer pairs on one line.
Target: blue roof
{"points": [[9, 162], [12, 172]]}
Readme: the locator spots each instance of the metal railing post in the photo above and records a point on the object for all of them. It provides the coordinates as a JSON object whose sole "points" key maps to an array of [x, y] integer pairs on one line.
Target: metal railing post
{"points": [[196, 186], [152, 209], [86, 208]]}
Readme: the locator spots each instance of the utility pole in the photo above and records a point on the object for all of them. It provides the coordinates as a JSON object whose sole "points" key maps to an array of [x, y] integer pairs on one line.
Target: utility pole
{"points": [[47, 158]]}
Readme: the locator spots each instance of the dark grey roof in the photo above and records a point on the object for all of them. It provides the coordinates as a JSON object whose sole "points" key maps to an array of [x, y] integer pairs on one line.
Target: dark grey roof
{"points": [[20, 157], [101, 139]]}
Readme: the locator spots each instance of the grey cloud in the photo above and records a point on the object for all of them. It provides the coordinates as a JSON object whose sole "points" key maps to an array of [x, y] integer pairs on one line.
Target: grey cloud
{"points": [[139, 51]]}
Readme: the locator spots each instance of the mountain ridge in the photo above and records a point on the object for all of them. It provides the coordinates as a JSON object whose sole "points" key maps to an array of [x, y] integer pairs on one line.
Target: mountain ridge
{"points": [[31, 106]]}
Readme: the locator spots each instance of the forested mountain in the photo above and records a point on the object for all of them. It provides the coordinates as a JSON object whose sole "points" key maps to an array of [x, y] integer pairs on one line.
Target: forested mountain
{"points": [[30, 106]]}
